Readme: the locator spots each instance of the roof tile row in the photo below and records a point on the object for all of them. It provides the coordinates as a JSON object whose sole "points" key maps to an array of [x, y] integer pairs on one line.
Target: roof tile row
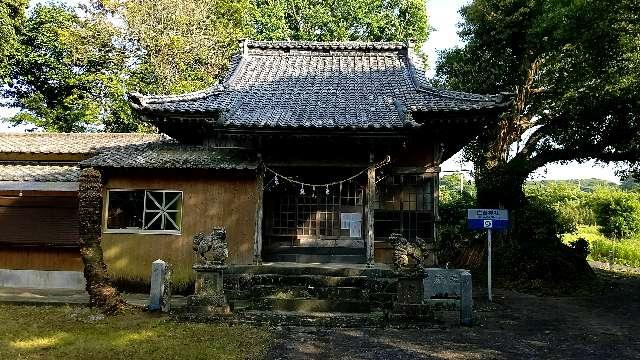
{"points": [[333, 85]]}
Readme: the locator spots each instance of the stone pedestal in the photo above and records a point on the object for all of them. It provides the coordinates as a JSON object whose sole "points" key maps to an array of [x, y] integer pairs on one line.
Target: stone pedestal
{"points": [[433, 293], [209, 294], [410, 290], [450, 283]]}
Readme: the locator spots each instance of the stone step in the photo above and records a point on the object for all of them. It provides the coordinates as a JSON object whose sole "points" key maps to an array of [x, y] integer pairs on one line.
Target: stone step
{"points": [[320, 255], [312, 305], [315, 258], [341, 292], [321, 319], [320, 250], [248, 281], [290, 268]]}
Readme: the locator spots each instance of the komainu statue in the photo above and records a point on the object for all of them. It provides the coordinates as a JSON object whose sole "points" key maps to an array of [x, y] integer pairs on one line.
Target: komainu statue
{"points": [[405, 249], [212, 248]]}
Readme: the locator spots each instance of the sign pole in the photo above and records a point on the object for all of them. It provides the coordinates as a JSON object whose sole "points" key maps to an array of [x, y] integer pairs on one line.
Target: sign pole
{"points": [[489, 264], [488, 219]]}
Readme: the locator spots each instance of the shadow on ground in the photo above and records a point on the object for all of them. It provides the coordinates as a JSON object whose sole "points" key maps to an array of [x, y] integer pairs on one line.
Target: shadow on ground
{"points": [[514, 326]]}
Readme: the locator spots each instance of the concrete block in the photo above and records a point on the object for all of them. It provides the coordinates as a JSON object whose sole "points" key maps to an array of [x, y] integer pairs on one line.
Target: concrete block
{"points": [[450, 283], [40, 279]]}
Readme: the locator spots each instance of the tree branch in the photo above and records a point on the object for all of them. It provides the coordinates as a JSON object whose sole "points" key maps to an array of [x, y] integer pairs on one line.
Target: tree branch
{"points": [[545, 157]]}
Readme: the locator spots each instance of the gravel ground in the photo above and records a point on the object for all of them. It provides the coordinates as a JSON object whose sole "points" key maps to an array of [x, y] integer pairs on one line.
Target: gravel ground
{"points": [[514, 326]]}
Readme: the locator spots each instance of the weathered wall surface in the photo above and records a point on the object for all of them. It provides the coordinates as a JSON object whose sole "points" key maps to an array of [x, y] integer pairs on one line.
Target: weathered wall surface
{"points": [[39, 279], [40, 258], [209, 199], [39, 220]]}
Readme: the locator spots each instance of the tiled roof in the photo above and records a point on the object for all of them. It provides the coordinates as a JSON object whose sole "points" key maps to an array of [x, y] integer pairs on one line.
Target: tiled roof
{"points": [[312, 84], [39, 173], [67, 143], [171, 155]]}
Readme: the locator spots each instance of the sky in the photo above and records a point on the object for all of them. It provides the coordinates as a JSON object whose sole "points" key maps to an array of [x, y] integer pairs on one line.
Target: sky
{"points": [[444, 18]]}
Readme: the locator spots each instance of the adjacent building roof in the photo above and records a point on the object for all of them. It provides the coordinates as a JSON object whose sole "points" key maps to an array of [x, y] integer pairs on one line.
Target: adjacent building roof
{"points": [[317, 85], [38, 173], [38, 177], [172, 155], [70, 143]]}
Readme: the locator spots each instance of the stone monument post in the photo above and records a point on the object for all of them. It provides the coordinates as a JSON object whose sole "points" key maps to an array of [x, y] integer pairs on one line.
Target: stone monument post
{"points": [[160, 294]]}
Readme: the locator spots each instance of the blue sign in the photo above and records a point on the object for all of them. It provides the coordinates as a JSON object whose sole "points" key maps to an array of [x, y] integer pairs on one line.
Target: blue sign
{"points": [[479, 219]]}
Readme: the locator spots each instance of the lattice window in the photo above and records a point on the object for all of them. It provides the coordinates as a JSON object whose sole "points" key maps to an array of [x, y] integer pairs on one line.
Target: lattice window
{"points": [[162, 210], [404, 205], [314, 215], [144, 210]]}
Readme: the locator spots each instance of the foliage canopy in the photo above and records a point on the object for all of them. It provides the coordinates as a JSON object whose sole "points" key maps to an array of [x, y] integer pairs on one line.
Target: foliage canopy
{"points": [[11, 18], [68, 73], [573, 67]]}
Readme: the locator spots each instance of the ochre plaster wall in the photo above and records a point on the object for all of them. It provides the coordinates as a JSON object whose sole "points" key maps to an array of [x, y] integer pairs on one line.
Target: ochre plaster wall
{"points": [[209, 199]]}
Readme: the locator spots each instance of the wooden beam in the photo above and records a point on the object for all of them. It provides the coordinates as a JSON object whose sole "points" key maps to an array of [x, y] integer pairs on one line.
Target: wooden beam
{"points": [[257, 246], [436, 196], [371, 196]]}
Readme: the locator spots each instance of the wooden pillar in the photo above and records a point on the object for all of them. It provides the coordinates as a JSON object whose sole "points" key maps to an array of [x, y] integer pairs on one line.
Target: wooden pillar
{"points": [[257, 245], [371, 197], [436, 197]]}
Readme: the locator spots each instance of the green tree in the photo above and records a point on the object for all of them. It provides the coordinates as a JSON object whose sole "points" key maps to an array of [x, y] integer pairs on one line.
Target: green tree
{"points": [[67, 72], [574, 69], [331, 20], [71, 72], [185, 45], [617, 212], [11, 19], [181, 45]]}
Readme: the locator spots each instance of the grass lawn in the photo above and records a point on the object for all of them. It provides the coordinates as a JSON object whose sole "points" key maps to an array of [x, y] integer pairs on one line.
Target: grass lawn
{"points": [[76, 332], [625, 252]]}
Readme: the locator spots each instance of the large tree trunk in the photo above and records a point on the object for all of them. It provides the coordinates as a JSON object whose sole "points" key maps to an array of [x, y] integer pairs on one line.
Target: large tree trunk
{"points": [[101, 293]]}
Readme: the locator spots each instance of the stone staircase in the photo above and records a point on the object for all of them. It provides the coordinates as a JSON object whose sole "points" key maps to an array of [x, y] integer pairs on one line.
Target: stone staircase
{"points": [[310, 288], [330, 295], [323, 255]]}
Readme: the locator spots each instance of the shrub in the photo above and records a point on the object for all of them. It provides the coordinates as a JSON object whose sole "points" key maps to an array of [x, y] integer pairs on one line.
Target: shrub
{"points": [[539, 224], [581, 247], [569, 201], [617, 212], [452, 229]]}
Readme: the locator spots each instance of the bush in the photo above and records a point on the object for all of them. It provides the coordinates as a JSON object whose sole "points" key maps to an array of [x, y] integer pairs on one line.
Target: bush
{"points": [[537, 253], [581, 247], [625, 252], [569, 201], [539, 224], [617, 212], [452, 229]]}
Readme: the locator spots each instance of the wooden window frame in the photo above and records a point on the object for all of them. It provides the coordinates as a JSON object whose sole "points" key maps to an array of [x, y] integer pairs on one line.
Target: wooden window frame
{"points": [[144, 214]]}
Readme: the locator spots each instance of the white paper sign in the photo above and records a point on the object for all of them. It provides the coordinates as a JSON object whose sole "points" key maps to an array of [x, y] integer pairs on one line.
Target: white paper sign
{"points": [[345, 220], [353, 223]]}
